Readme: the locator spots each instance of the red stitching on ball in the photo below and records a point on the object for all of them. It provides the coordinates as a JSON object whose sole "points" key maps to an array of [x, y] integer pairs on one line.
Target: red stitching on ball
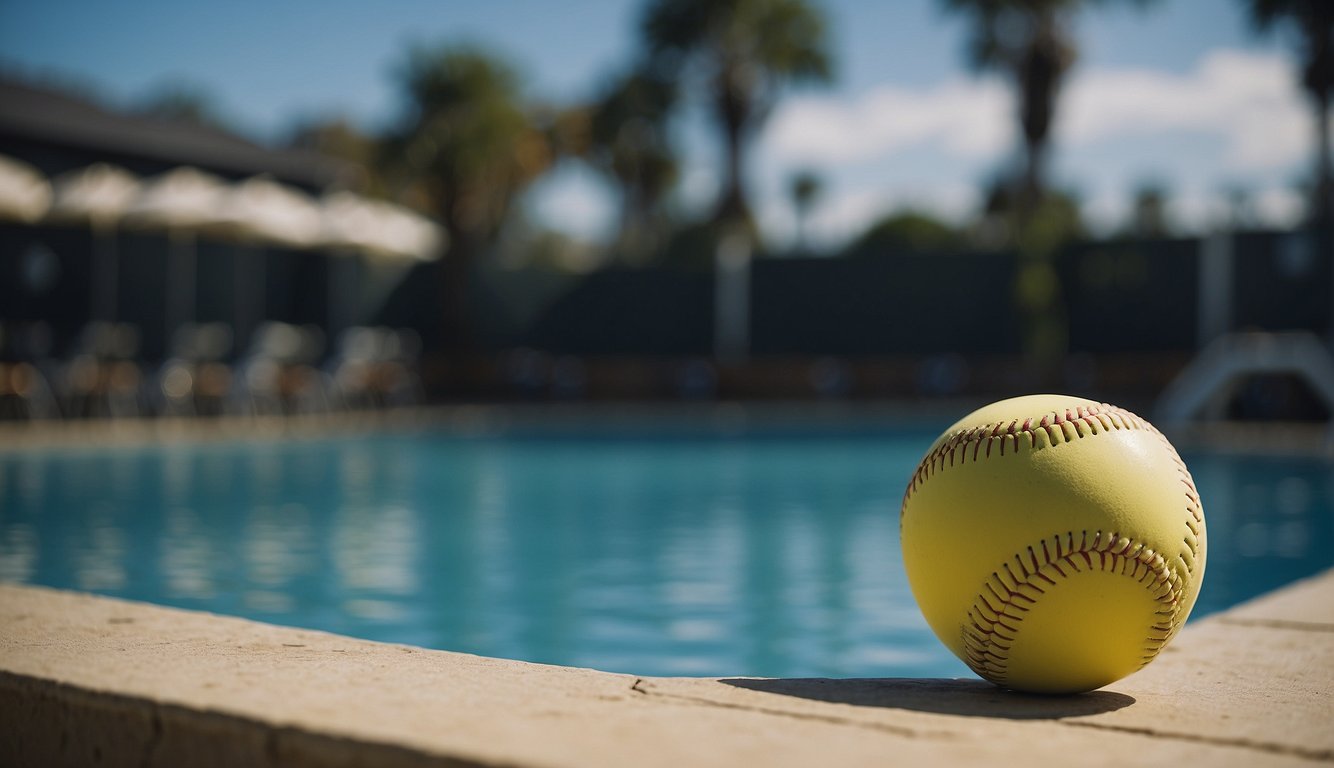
{"points": [[996, 613], [983, 654]]}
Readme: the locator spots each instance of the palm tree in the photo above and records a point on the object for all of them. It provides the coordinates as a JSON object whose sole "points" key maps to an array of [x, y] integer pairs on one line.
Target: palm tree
{"points": [[746, 51], [804, 187], [1314, 22], [465, 147], [627, 141], [337, 138], [1029, 42]]}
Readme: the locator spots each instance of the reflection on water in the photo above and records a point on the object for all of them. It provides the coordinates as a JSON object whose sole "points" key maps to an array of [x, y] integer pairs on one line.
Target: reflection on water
{"points": [[187, 556], [1270, 521], [774, 556], [99, 556], [18, 552]]}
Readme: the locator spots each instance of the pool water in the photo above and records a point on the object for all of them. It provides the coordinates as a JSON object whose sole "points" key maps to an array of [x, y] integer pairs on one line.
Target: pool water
{"points": [[761, 554]]}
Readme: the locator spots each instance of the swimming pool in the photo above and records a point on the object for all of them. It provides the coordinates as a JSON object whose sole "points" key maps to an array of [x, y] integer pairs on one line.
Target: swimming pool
{"points": [[685, 552]]}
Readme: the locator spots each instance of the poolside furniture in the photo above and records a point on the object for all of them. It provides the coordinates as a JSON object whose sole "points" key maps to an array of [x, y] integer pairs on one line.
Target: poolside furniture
{"points": [[376, 368], [25, 373], [195, 380], [102, 377], [278, 374]]}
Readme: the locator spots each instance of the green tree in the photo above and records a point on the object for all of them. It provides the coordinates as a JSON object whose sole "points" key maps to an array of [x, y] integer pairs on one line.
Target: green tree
{"points": [[906, 231], [628, 142], [183, 101], [1037, 231], [341, 140], [1313, 21], [464, 148], [745, 51]]}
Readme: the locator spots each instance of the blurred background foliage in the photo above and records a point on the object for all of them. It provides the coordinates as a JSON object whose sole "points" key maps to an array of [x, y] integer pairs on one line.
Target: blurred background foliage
{"points": [[468, 140]]}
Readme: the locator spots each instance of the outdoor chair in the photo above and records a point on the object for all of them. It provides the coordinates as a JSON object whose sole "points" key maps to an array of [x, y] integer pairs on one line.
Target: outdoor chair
{"points": [[102, 378], [25, 384], [376, 368], [195, 380], [278, 374]]}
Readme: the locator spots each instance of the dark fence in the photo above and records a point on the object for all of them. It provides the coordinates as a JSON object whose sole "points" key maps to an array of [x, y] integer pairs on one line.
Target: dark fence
{"points": [[1116, 297], [1282, 281], [47, 275], [1131, 296], [906, 304], [630, 312]]}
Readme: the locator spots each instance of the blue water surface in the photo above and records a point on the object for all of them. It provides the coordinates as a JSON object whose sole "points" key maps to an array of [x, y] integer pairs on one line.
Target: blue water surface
{"points": [[761, 554]]}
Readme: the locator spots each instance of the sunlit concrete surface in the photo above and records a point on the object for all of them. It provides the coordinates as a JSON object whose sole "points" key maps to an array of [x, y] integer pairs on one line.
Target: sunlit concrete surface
{"points": [[94, 681]]}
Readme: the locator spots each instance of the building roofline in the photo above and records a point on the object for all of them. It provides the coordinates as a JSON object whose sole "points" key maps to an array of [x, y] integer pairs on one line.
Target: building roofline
{"points": [[38, 114]]}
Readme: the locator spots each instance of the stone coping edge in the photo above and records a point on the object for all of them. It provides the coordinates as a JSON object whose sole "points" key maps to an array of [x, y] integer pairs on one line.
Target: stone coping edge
{"points": [[89, 680], [49, 723]]}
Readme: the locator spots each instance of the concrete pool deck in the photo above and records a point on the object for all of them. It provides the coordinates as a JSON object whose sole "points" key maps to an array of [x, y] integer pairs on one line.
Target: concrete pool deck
{"points": [[718, 418], [93, 680]]}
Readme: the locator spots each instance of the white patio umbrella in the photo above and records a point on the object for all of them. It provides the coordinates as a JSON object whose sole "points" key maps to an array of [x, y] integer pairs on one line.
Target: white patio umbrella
{"points": [[262, 210], [411, 235], [181, 202], [25, 193], [380, 229], [98, 196], [183, 198], [258, 212], [392, 237]]}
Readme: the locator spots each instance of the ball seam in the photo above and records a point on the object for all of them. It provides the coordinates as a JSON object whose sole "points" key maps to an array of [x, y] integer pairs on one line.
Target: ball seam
{"points": [[984, 654], [1011, 590], [1056, 427]]}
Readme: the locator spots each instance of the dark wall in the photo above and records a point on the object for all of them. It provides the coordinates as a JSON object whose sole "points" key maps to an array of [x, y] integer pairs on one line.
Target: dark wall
{"points": [[46, 275], [1131, 296], [1281, 281], [630, 312], [904, 304], [1118, 297]]}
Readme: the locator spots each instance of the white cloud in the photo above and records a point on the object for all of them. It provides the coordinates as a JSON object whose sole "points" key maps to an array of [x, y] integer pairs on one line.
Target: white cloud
{"points": [[1241, 116], [1199, 208], [699, 186], [844, 214], [1247, 99], [964, 116], [1250, 100], [1106, 211], [1236, 119], [1280, 206], [575, 200]]}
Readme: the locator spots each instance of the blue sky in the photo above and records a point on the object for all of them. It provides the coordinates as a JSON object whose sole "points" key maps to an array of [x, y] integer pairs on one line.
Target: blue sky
{"points": [[1179, 93]]}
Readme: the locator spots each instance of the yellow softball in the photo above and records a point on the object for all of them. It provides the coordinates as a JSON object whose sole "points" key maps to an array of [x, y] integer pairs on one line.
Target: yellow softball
{"points": [[1054, 544]]}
